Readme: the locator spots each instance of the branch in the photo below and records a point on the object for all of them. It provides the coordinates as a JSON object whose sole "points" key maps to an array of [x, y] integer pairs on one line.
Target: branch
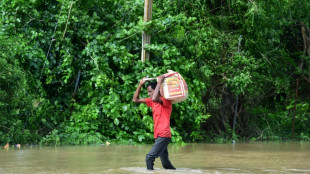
{"points": [[67, 20], [306, 48], [5, 127], [305, 78]]}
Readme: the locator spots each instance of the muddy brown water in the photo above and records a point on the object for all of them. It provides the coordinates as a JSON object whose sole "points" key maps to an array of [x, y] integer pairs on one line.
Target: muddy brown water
{"points": [[191, 158]]}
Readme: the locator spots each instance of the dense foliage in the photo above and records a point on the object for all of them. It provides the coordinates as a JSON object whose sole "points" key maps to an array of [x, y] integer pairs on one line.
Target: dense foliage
{"points": [[69, 69]]}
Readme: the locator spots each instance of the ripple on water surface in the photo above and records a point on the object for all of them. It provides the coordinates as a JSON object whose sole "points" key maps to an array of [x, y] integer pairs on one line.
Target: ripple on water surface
{"points": [[158, 170], [206, 171]]}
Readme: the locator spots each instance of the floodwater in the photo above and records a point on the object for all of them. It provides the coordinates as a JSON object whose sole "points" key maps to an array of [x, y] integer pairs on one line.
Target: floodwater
{"points": [[192, 158]]}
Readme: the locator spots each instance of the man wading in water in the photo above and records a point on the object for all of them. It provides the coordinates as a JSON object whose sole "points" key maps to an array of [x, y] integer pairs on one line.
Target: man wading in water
{"points": [[161, 115]]}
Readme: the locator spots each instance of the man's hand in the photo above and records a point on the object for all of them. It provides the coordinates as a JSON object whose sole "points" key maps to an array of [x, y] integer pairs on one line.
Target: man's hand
{"points": [[160, 78], [142, 81]]}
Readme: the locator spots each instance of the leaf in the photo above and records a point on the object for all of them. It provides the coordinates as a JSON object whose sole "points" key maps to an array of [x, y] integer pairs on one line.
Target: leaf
{"points": [[116, 121], [141, 137], [289, 107], [94, 126], [125, 108]]}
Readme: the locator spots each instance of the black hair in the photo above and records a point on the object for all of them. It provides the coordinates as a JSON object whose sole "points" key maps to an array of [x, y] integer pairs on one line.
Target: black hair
{"points": [[152, 84]]}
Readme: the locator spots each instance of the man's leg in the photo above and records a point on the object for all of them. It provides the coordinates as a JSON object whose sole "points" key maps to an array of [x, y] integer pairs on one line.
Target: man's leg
{"points": [[159, 146], [165, 160]]}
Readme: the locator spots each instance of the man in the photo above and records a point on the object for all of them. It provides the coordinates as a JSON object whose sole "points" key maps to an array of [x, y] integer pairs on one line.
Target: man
{"points": [[161, 115]]}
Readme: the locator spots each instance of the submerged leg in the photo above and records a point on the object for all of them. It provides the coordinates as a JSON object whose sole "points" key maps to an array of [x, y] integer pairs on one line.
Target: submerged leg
{"points": [[165, 160], [157, 149]]}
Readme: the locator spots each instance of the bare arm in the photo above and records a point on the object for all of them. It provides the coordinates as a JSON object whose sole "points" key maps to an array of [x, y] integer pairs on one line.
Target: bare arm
{"points": [[156, 95], [136, 98]]}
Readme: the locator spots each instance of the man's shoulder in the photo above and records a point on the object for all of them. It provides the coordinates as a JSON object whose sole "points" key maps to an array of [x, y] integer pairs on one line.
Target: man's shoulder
{"points": [[149, 102], [166, 102]]}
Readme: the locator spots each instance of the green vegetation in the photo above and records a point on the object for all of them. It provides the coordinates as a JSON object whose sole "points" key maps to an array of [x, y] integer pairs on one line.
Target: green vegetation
{"points": [[69, 69]]}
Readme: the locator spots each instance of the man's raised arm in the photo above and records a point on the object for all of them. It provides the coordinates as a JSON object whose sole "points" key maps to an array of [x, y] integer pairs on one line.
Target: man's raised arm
{"points": [[156, 95], [136, 97]]}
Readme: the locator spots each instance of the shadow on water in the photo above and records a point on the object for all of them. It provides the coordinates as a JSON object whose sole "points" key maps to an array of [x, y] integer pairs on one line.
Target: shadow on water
{"points": [[192, 158]]}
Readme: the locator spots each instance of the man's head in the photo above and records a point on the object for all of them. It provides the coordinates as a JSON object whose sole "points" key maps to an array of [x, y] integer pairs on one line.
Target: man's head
{"points": [[150, 88]]}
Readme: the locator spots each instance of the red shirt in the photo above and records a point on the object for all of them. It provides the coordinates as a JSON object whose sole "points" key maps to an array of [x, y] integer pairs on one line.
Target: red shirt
{"points": [[161, 117]]}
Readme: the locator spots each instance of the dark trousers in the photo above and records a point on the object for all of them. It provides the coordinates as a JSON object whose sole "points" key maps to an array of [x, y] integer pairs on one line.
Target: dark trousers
{"points": [[159, 149]]}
